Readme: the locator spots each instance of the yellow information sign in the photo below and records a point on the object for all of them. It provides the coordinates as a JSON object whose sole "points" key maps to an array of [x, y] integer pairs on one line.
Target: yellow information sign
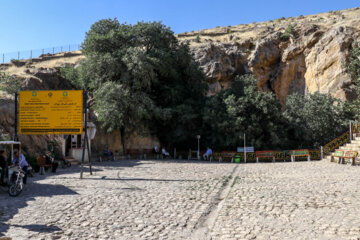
{"points": [[51, 112]]}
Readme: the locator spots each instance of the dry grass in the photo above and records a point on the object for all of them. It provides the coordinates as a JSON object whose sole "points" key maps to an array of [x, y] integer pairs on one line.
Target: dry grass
{"points": [[58, 61], [257, 30]]}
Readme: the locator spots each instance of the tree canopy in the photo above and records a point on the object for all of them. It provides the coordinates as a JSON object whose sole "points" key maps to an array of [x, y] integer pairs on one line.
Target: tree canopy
{"points": [[314, 119], [243, 109], [140, 75]]}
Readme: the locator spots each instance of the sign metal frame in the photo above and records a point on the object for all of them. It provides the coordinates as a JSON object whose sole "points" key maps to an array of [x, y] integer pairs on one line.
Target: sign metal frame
{"points": [[53, 112]]}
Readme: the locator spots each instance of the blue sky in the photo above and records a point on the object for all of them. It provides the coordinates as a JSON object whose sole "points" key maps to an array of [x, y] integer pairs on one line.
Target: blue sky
{"points": [[36, 24]]}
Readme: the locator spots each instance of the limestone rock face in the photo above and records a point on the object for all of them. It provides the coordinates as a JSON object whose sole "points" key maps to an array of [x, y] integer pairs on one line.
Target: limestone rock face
{"points": [[221, 62], [310, 59], [325, 63]]}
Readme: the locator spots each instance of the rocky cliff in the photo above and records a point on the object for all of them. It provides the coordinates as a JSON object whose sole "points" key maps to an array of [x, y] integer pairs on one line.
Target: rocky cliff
{"points": [[301, 54]]}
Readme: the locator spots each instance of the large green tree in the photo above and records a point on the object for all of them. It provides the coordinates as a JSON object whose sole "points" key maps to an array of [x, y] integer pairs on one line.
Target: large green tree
{"points": [[243, 109], [141, 76], [314, 119]]}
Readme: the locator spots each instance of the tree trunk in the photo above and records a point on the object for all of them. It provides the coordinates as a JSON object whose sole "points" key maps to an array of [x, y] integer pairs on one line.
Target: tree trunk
{"points": [[122, 135]]}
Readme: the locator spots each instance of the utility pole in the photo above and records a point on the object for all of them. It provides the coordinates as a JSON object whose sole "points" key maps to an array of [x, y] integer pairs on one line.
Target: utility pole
{"points": [[198, 138]]}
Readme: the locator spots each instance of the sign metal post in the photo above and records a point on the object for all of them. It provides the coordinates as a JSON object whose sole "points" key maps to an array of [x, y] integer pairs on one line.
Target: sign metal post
{"points": [[86, 140], [15, 138]]}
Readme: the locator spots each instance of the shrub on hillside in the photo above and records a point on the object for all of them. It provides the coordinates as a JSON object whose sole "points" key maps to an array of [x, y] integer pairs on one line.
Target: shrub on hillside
{"points": [[9, 84], [285, 36]]}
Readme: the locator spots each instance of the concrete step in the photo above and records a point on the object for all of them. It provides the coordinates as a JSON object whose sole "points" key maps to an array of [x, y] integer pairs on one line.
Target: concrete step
{"points": [[73, 161], [350, 146], [345, 148]]}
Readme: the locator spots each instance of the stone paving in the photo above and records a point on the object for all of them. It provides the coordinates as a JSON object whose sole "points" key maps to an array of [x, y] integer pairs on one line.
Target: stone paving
{"points": [[188, 200], [303, 200]]}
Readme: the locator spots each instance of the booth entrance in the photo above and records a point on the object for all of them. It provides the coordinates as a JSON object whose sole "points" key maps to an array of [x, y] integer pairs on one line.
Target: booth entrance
{"points": [[74, 143]]}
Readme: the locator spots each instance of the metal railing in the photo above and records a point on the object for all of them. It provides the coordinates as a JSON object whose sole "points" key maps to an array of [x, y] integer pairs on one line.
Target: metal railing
{"points": [[34, 53]]}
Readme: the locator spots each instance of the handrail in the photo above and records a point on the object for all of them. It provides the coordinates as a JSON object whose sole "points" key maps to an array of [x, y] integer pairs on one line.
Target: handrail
{"points": [[336, 143]]}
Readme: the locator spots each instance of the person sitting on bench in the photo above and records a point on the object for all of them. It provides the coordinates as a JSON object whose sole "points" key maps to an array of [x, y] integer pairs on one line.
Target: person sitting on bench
{"points": [[207, 154], [109, 154], [155, 150], [49, 160], [165, 153]]}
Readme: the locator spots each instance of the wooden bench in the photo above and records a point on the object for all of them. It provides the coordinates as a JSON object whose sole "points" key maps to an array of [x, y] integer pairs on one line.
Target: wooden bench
{"points": [[265, 154], [339, 154], [227, 156], [148, 154], [349, 154], [299, 153], [138, 153], [42, 164], [217, 156], [193, 155]]}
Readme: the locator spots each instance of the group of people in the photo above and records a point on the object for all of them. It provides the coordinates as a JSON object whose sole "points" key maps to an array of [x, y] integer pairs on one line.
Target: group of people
{"points": [[164, 153], [20, 160], [206, 156]]}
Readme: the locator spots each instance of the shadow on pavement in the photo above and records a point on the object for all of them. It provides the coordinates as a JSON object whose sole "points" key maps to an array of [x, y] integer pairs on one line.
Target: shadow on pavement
{"points": [[9, 206], [38, 228]]}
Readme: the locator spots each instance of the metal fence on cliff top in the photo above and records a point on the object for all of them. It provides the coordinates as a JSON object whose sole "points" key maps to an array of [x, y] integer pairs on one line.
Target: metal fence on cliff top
{"points": [[34, 53]]}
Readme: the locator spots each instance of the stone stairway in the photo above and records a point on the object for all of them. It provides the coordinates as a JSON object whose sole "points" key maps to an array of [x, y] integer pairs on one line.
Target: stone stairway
{"points": [[353, 146]]}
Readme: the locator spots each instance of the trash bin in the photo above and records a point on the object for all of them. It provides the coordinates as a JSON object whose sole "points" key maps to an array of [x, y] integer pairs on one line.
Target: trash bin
{"points": [[237, 158]]}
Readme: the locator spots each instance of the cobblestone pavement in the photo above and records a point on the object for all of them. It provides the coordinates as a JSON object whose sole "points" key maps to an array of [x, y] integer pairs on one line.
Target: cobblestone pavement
{"points": [[304, 200], [123, 200], [188, 200]]}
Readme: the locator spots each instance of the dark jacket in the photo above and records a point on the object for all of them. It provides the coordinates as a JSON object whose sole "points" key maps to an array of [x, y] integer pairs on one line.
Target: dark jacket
{"points": [[48, 160], [3, 162]]}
